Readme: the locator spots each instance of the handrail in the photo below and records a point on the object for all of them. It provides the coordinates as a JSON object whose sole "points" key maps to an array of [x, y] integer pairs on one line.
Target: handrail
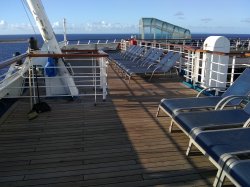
{"points": [[196, 49], [12, 60], [54, 55]]}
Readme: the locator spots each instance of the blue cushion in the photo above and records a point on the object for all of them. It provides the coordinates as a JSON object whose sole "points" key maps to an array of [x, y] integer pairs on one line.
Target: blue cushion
{"points": [[191, 120], [216, 143], [241, 173], [173, 105]]}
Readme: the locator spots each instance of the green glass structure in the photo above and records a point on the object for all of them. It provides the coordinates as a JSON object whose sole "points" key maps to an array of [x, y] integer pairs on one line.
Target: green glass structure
{"points": [[152, 28]]}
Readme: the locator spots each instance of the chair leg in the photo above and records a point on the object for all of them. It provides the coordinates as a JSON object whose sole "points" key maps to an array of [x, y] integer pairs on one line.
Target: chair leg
{"points": [[158, 111], [220, 178], [190, 144], [171, 126]]}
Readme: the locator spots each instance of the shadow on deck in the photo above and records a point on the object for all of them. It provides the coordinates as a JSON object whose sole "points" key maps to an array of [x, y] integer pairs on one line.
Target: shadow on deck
{"points": [[119, 142]]}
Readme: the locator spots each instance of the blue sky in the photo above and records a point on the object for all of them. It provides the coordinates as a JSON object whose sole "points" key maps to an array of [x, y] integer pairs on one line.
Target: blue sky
{"points": [[122, 16]]}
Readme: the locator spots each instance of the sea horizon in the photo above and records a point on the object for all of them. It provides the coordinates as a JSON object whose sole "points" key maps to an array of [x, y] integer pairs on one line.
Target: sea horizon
{"points": [[9, 48]]}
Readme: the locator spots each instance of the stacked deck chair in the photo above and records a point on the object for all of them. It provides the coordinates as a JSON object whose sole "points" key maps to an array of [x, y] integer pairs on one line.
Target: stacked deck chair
{"points": [[229, 151], [240, 87], [165, 64]]}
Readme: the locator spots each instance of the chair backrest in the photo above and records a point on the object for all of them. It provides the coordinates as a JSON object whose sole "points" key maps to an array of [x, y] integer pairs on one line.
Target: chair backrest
{"points": [[170, 62], [247, 108], [154, 57], [137, 54], [148, 52], [166, 57], [131, 51], [149, 56], [241, 86]]}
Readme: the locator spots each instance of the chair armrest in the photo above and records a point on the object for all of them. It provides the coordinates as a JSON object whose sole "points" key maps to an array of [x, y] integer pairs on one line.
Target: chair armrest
{"points": [[223, 102], [211, 88], [247, 123]]}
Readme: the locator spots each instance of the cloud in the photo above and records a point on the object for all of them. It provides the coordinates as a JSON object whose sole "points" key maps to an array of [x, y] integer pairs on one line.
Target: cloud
{"points": [[57, 25], [179, 14], [107, 27], [206, 20], [20, 26], [3, 24], [246, 20], [102, 26]]}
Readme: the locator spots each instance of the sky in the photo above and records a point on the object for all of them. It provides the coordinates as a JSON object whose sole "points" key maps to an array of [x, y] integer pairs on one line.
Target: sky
{"points": [[122, 16]]}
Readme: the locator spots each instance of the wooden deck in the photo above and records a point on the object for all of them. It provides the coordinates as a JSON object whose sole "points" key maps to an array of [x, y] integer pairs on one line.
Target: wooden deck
{"points": [[119, 142]]}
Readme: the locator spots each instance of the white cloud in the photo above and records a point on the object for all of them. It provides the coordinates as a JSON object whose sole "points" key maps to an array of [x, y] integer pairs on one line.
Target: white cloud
{"points": [[101, 26], [57, 25], [3, 24], [20, 26], [107, 27]]}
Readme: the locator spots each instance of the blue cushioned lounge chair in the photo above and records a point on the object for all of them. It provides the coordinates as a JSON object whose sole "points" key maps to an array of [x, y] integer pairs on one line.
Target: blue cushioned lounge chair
{"points": [[165, 64], [221, 146], [240, 87], [238, 171], [193, 122]]}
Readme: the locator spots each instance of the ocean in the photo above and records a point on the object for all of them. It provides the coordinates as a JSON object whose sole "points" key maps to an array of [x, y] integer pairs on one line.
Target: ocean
{"points": [[7, 49]]}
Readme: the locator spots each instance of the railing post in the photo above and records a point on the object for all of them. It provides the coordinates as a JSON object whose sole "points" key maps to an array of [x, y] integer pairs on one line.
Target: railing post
{"points": [[103, 77], [232, 70], [196, 66]]}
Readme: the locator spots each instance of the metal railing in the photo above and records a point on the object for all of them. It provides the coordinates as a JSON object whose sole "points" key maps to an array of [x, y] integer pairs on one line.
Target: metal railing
{"points": [[194, 62], [87, 68]]}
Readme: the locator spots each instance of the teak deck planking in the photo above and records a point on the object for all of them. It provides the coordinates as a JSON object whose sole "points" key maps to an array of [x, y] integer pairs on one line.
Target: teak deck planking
{"points": [[119, 142]]}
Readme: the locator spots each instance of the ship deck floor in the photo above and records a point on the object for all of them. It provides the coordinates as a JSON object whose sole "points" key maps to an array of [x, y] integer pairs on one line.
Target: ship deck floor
{"points": [[119, 142]]}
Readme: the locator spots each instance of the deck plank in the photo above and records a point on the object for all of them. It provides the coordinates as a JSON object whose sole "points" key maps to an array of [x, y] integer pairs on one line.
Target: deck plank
{"points": [[119, 142]]}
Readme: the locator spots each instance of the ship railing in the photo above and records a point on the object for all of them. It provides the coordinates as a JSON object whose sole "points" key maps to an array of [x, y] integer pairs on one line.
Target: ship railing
{"points": [[203, 67], [10, 73], [93, 41], [88, 69]]}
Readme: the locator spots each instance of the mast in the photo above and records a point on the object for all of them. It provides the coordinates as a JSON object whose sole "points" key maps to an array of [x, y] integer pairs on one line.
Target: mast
{"points": [[46, 30], [65, 30], [44, 25]]}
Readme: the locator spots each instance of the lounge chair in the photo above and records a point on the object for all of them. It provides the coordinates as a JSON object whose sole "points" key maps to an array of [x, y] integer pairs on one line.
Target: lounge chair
{"points": [[151, 64], [165, 64], [121, 55], [238, 171], [152, 58], [193, 122], [136, 62], [240, 87], [220, 146]]}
